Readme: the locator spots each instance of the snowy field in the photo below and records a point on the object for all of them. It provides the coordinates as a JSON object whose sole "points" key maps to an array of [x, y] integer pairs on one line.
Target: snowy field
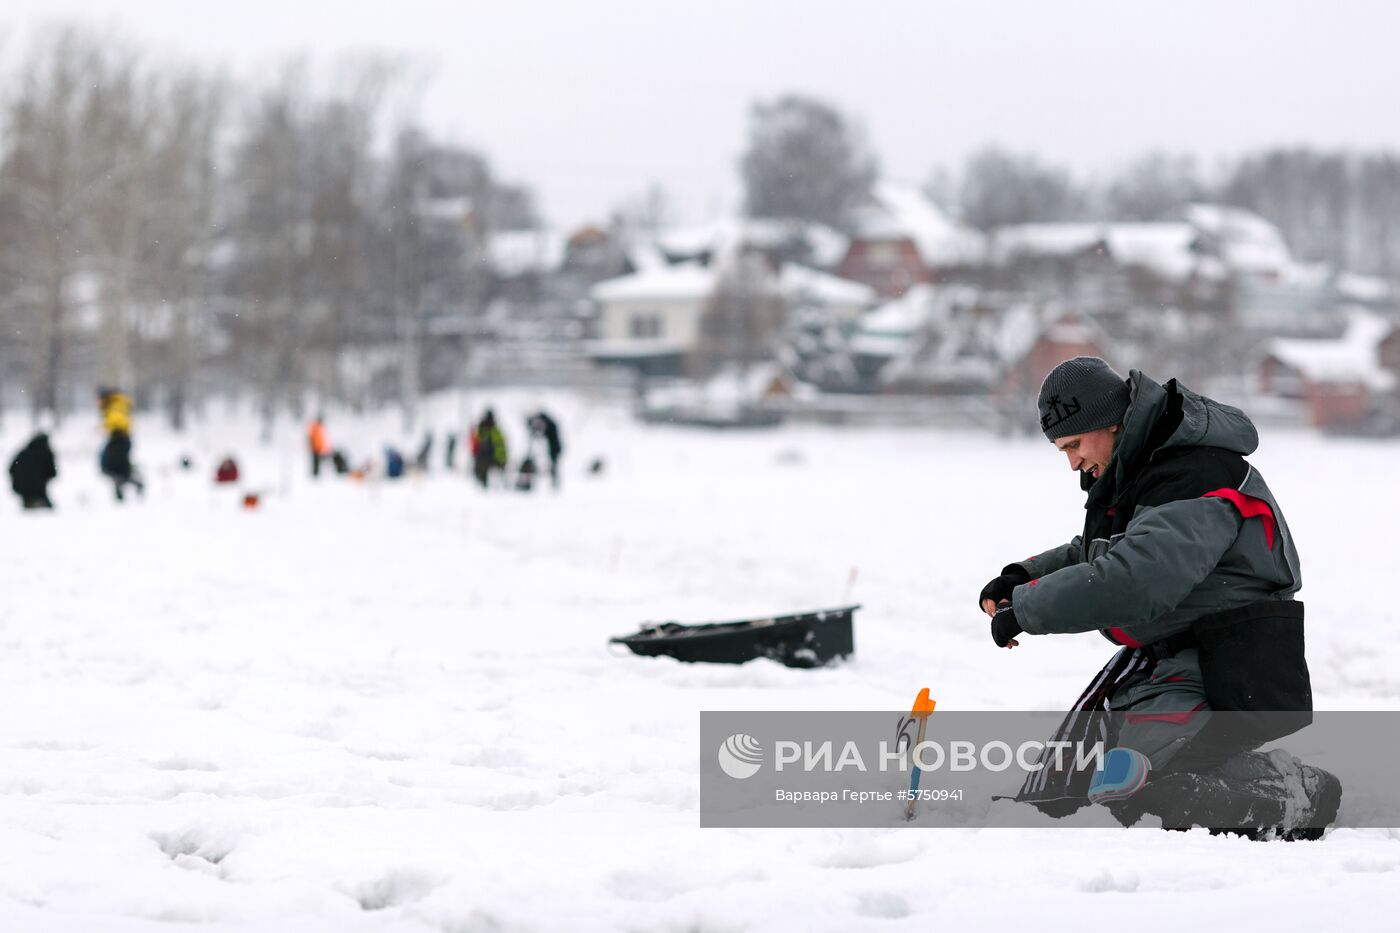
{"points": [[386, 706]]}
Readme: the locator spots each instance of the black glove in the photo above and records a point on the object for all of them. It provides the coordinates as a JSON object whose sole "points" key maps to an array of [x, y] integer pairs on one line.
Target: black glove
{"points": [[1004, 625], [1012, 576]]}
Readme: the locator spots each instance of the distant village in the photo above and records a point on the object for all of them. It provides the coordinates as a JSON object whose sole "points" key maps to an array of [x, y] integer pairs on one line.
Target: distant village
{"points": [[272, 244], [918, 318]]}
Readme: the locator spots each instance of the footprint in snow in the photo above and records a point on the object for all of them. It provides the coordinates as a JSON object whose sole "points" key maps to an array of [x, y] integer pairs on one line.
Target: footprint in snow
{"points": [[885, 904], [1105, 882], [402, 886], [644, 886], [197, 847]]}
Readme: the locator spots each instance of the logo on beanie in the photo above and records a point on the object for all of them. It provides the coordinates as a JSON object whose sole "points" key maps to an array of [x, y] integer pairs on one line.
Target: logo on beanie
{"points": [[1057, 411]]}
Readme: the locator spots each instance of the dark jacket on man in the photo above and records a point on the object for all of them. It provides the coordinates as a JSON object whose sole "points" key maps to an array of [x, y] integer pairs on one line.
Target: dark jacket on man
{"points": [[541, 425], [1186, 560], [31, 470], [1177, 527]]}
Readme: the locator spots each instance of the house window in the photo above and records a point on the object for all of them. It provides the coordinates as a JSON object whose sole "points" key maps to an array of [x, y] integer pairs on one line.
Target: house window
{"points": [[645, 326]]}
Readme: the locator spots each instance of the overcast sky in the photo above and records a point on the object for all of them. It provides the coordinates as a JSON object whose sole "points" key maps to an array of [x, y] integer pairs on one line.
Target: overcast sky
{"points": [[589, 102]]}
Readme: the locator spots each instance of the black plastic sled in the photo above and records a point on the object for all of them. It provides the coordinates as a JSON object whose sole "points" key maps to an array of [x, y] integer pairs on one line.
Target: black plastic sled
{"points": [[804, 639]]}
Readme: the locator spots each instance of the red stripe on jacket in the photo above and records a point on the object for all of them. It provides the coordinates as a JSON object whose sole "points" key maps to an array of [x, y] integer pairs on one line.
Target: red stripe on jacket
{"points": [[1123, 638], [1249, 507], [1178, 719]]}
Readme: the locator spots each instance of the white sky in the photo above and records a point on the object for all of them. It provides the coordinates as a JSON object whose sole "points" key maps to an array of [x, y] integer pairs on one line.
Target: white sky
{"points": [[588, 102]]}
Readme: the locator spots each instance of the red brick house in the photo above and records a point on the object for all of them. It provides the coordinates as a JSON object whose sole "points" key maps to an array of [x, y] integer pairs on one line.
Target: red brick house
{"points": [[890, 264], [902, 238], [1063, 338], [1388, 352], [1337, 381]]}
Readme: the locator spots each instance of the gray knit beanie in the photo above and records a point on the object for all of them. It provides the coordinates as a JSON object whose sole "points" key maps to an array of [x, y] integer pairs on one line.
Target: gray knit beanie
{"points": [[1080, 395]]}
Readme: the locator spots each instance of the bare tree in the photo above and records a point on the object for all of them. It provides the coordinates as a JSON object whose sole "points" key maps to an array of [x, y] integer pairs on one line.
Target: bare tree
{"points": [[49, 178], [1337, 207], [1156, 186], [441, 204], [646, 212], [184, 188], [119, 129], [342, 178], [805, 162], [741, 319], [1000, 188], [272, 236]]}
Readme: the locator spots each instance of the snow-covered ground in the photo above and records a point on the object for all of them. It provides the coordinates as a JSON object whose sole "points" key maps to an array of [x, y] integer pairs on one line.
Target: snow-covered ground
{"points": [[392, 706]]}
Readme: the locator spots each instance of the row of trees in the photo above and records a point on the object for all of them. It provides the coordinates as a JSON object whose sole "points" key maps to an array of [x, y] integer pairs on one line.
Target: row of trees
{"points": [[168, 231], [807, 161]]}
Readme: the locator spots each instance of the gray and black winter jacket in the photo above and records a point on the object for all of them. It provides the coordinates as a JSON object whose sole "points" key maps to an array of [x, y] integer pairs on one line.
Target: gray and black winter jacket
{"points": [[1177, 527]]}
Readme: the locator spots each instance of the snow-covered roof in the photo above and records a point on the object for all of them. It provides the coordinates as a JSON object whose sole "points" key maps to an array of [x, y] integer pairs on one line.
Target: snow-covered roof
{"points": [[892, 329], [518, 252], [903, 211], [692, 240], [1164, 248], [645, 256], [687, 280], [801, 284], [828, 246], [1367, 288], [729, 234], [901, 316], [1351, 358], [1248, 242], [1016, 332], [1068, 239]]}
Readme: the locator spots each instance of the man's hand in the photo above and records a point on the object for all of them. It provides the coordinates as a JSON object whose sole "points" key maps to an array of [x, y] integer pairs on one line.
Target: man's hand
{"points": [[1005, 628], [999, 589]]}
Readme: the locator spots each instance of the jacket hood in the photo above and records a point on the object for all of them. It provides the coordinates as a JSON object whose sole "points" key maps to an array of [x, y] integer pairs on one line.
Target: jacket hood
{"points": [[1169, 416]]}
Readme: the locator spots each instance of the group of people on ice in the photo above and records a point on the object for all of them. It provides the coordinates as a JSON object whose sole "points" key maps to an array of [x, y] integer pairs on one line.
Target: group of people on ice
{"points": [[1185, 561], [491, 458], [35, 466], [491, 464]]}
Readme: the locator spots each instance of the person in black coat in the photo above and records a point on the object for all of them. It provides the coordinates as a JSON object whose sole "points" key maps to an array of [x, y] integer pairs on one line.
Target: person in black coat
{"points": [[31, 470], [545, 427]]}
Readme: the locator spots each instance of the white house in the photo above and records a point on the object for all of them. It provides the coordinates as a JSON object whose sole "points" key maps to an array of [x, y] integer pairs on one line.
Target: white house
{"points": [[651, 319]]}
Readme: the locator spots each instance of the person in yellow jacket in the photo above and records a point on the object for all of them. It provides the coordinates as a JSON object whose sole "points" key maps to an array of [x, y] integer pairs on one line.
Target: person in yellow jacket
{"points": [[116, 453], [116, 412]]}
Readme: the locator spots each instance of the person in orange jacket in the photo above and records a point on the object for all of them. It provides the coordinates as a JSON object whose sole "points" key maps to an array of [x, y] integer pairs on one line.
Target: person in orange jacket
{"points": [[319, 444]]}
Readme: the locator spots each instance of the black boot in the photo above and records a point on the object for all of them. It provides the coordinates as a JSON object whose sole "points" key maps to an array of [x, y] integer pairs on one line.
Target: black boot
{"points": [[1257, 795]]}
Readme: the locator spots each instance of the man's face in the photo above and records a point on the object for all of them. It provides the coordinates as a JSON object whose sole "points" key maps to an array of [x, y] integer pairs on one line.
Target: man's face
{"points": [[1091, 451]]}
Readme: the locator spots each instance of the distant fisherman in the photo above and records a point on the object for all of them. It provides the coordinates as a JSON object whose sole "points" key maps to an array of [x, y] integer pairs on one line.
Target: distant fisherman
{"points": [[115, 459], [319, 445], [31, 470]]}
